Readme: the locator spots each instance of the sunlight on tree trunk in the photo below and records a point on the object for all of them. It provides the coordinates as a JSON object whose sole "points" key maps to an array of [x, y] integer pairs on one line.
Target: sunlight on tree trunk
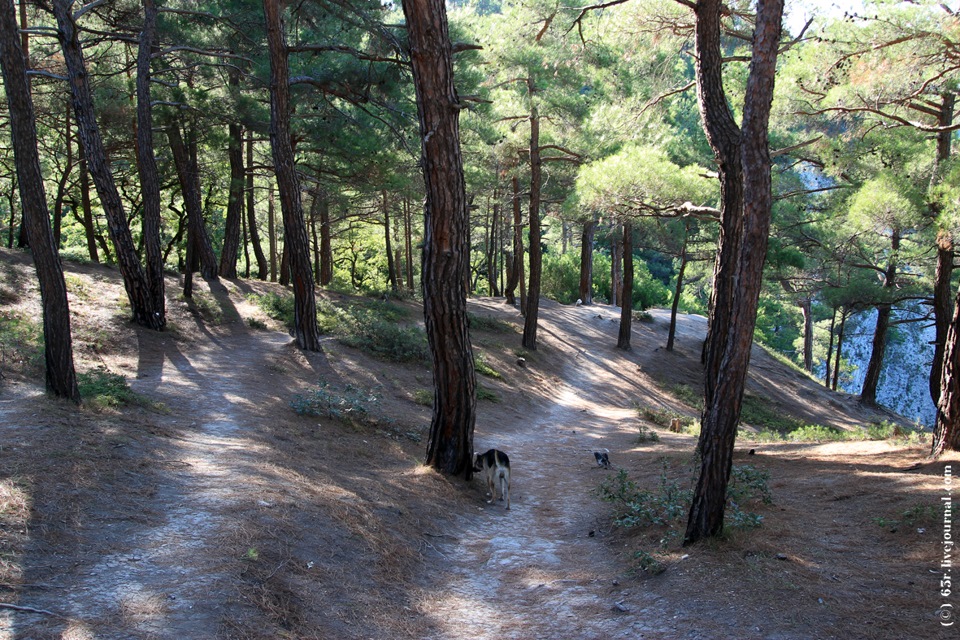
{"points": [[61, 378], [450, 447], [744, 164]]}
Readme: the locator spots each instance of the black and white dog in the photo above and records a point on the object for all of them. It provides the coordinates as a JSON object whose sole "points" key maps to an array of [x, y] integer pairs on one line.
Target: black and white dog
{"points": [[495, 466]]}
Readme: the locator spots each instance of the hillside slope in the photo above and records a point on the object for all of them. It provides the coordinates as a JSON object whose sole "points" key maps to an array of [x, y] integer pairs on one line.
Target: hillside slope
{"points": [[206, 507]]}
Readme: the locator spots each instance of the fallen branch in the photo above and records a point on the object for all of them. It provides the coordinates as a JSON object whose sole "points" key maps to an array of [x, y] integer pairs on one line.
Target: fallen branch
{"points": [[17, 607]]}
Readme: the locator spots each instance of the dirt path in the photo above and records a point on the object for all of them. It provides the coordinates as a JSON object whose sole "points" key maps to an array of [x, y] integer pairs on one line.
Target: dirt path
{"points": [[542, 569], [150, 571], [220, 513]]}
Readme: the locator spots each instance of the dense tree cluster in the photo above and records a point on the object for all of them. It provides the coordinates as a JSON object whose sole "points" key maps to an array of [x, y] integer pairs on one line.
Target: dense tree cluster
{"points": [[637, 153]]}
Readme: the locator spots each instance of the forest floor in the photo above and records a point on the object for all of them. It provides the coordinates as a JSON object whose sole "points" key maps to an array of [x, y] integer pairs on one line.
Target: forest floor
{"points": [[206, 507]]}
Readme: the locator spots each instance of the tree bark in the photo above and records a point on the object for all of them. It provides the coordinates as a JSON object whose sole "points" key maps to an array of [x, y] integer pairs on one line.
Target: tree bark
{"points": [[231, 229], [90, 231], [743, 159], [942, 283], [626, 308], [586, 261], [306, 331], [871, 379], [272, 235], [64, 178], [946, 433], [806, 308], [616, 267], [134, 280], [837, 357], [391, 267], [408, 240], [61, 378], [326, 250], [827, 370], [188, 174], [515, 268], [530, 320], [252, 214], [147, 165], [446, 217], [672, 332]]}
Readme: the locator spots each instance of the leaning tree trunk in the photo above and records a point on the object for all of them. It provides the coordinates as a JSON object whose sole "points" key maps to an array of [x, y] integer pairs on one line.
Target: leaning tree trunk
{"points": [[306, 331], [744, 163], [138, 290], [147, 165], [89, 229], [838, 357], [827, 370], [61, 378], [391, 264], [672, 332], [586, 262], [450, 448], [530, 320], [946, 433], [871, 379], [189, 176], [626, 306]]}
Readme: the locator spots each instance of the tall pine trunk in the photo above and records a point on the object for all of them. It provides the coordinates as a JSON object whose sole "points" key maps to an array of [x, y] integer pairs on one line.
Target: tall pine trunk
{"points": [[61, 378], [531, 316], [946, 432], [147, 165], [806, 307], [391, 265], [616, 266], [586, 262], [446, 219], [306, 331], [871, 379], [326, 249], [252, 228], [138, 290], [672, 332], [743, 159], [626, 307], [231, 228], [943, 275], [188, 173]]}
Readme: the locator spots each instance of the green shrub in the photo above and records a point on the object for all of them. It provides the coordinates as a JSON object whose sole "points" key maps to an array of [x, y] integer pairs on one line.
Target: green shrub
{"points": [[21, 340], [759, 412], [276, 306], [647, 435], [346, 403], [481, 367], [375, 328], [101, 388], [392, 342], [486, 394], [489, 323], [424, 397]]}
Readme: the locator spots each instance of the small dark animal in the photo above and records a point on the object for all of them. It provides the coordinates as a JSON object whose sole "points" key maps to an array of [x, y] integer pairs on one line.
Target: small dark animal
{"points": [[603, 458], [495, 466]]}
